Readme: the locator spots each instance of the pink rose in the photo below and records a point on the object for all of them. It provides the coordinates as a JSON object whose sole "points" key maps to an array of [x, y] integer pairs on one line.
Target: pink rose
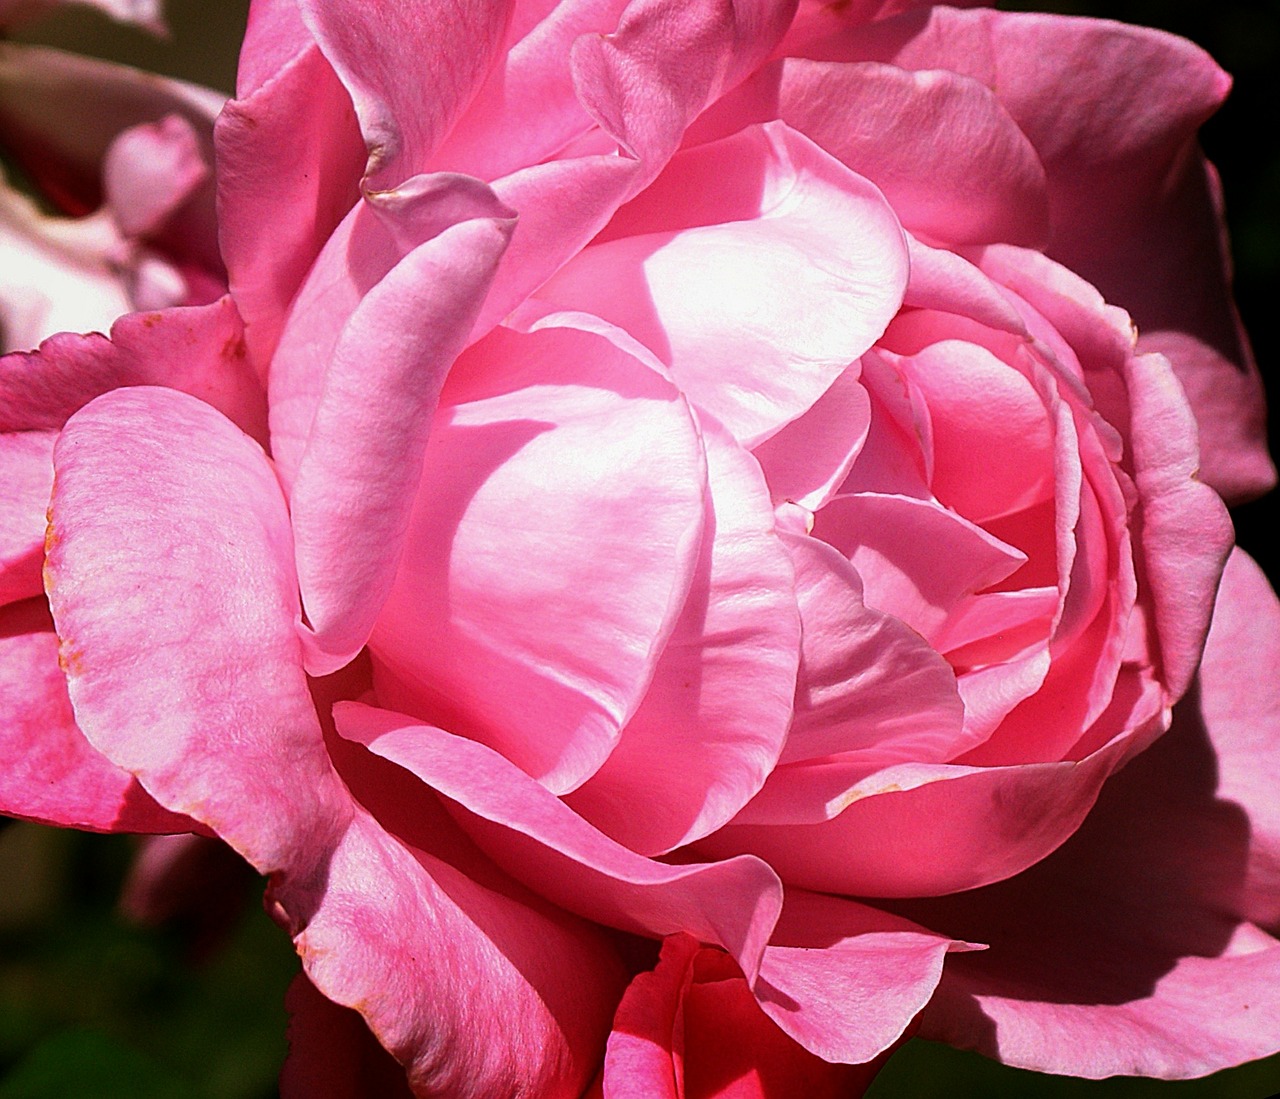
{"points": [[667, 488]]}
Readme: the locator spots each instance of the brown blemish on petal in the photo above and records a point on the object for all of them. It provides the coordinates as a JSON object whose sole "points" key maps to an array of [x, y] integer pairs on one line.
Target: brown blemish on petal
{"points": [[70, 659], [844, 801], [234, 348]]}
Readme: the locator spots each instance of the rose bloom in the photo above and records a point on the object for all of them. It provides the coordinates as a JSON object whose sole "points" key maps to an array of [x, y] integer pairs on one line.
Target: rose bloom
{"points": [[678, 553]]}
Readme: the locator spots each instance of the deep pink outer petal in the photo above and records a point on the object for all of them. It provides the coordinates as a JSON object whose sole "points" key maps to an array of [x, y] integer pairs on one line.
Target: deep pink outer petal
{"points": [[198, 350], [1239, 699], [1129, 951], [26, 479], [51, 773], [289, 161], [205, 520], [952, 163], [185, 668]]}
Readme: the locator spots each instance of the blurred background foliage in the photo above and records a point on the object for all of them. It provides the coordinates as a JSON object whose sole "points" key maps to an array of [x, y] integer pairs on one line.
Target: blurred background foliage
{"points": [[93, 1006]]}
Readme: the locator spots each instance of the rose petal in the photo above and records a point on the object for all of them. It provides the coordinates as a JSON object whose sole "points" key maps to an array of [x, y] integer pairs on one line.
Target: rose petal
{"points": [[561, 472], [917, 560], [289, 162], [51, 773], [706, 299], [686, 1028], [868, 684], [806, 461], [845, 980], [1134, 207], [26, 459], [149, 171], [953, 164], [1242, 648], [716, 714], [919, 829], [539, 840], [198, 350], [647, 81], [353, 491], [449, 47], [527, 110]]}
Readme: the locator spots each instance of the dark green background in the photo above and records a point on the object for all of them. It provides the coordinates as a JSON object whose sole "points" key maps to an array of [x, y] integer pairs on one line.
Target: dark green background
{"points": [[93, 1008]]}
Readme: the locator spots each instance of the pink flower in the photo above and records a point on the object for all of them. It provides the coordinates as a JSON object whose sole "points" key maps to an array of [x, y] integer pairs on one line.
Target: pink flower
{"points": [[655, 480]]}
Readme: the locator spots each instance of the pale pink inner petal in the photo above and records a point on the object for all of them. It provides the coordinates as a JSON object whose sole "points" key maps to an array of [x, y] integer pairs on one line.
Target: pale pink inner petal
{"points": [[869, 686], [918, 561], [807, 461], [992, 436], [756, 317], [714, 719], [550, 551]]}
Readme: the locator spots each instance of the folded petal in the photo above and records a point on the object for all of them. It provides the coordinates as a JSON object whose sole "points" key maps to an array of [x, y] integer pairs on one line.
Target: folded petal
{"points": [[198, 350], [918, 561], [551, 549], [759, 305], [716, 714], [354, 486], [642, 84], [449, 47], [528, 110], [869, 685], [830, 956], [647, 81], [289, 163], [953, 164], [539, 840], [807, 461]]}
